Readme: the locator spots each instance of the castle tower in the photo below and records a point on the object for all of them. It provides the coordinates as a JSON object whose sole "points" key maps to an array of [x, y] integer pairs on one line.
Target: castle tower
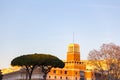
{"points": [[73, 54]]}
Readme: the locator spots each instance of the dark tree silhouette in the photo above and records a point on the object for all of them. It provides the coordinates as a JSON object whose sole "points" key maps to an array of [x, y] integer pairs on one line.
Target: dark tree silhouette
{"points": [[48, 62], [26, 61], [31, 61], [1, 75]]}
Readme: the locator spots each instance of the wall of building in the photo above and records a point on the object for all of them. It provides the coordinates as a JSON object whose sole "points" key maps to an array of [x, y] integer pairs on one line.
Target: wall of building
{"points": [[21, 75], [74, 69]]}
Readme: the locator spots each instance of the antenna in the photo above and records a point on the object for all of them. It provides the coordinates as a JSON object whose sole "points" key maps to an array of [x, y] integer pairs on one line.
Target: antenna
{"points": [[73, 37]]}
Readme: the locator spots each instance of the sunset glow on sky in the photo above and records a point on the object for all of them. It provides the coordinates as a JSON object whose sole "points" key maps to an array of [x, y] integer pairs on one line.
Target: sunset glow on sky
{"points": [[47, 26]]}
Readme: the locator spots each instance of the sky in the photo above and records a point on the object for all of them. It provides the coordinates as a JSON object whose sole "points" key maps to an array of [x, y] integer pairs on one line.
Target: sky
{"points": [[47, 26]]}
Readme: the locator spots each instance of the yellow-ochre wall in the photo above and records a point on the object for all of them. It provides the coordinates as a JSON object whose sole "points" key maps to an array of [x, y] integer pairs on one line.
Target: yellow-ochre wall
{"points": [[73, 67]]}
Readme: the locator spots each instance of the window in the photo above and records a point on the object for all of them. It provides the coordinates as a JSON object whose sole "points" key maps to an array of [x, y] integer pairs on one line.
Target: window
{"points": [[82, 73], [76, 73], [60, 72], [55, 77], [76, 78], [65, 72], [82, 78], [70, 49], [66, 78], [60, 77], [54, 71]]}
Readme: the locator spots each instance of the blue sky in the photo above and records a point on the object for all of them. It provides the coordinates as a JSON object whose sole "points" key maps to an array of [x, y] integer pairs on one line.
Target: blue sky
{"points": [[47, 26]]}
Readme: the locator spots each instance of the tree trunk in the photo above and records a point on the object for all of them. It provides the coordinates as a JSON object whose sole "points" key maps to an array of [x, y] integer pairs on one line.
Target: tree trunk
{"points": [[44, 76], [29, 76], [26, 76]]}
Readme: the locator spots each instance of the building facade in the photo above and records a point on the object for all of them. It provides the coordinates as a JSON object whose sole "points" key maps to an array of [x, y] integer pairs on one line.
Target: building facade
{"points": [[75, 69], [21, 75]]}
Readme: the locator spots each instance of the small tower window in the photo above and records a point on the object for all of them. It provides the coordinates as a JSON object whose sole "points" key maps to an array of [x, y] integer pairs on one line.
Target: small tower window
{"points": [[76, 49], [70, 49]]}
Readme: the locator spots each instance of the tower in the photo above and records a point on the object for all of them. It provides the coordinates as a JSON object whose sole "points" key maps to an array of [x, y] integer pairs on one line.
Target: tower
{"points": [[73, 54], [73, 57]]}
